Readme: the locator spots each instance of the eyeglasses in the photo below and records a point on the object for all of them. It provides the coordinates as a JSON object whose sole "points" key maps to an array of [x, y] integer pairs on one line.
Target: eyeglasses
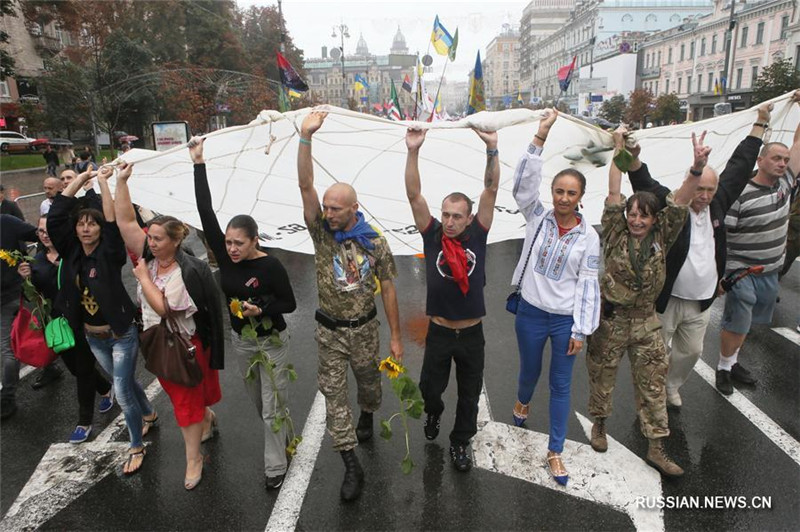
{"points": [[41, 231]]}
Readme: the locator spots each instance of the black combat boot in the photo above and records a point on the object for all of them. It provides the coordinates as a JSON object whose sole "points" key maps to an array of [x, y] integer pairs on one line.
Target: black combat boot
{"points": [[364, 428], [353, 476]]}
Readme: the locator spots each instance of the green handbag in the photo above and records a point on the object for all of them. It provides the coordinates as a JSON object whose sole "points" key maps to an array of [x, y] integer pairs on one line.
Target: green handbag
{"points": [[57, 333]]}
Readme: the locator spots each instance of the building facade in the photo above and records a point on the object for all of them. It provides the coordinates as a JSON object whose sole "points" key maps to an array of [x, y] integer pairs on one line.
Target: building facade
{"points": [[540, 18], [501, 69], [597, 31], [29, 43], [690, 59], [327, 84]]}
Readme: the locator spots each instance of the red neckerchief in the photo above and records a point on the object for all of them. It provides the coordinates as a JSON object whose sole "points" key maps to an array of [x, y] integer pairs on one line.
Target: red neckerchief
{"points": [[457, 260]]}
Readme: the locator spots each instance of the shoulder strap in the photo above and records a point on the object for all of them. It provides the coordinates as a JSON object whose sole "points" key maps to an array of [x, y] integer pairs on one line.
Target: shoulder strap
{"points": [[528, 258], [58, 275]]}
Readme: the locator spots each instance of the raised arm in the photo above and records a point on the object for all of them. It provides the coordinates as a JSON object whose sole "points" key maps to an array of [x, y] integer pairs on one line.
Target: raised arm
{"points": [[685, 194], [614, 184], [77, 183], [305, 166], [491, 178], [105, 195], [794, 151], [528, 174], [419, 207], [739, 168], [132, 234], [202, 196]]}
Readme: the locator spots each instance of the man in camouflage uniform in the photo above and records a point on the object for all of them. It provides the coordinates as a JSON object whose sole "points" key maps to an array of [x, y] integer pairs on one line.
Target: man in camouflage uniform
{"points": [[635, 249], [353, 262]]}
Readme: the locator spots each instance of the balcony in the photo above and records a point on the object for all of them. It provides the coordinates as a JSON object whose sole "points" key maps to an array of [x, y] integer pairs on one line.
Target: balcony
{"points": [[47, 43], [650, 72]]}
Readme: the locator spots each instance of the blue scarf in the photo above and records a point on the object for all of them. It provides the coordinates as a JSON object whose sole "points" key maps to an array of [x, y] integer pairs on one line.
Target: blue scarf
{"points": [[361, 233]]}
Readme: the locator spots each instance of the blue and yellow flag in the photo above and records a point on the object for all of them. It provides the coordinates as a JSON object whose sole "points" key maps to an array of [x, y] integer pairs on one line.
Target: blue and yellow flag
{"points": [[441, 38], [476, 97], [360, 82]]}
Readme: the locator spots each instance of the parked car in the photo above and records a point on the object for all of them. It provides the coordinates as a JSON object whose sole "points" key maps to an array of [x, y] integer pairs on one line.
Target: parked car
{"points": [[13, 142]]}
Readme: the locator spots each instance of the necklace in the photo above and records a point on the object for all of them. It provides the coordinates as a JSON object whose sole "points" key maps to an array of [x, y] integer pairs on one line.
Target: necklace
{"points": [[166, 265]]}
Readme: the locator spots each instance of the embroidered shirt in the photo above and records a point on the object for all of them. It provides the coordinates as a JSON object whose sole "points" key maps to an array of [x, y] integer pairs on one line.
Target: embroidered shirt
{"points": [[562, 273]]}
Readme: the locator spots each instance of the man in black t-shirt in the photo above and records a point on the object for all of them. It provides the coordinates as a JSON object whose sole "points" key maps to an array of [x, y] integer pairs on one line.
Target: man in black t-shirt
{"points": [[455, 257]]}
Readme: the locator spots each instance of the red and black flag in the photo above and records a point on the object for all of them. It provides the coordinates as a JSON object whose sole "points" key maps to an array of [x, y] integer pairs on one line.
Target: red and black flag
{"points": [[289, 76]]}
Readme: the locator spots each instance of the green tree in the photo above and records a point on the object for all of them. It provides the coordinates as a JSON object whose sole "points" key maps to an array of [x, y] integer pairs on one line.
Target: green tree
{"points": [[613, 109], [640, 105], [775, 80], [667, 109], [7, 62]]}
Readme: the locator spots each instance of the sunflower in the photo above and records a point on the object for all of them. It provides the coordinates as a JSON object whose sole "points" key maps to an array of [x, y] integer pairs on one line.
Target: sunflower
{"points": [[391, 367], [8, 258], [236, 308]]}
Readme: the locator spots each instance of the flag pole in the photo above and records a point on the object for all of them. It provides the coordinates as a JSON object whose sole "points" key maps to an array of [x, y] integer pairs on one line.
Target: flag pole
{"points": [[418, 88], [447, 60]]}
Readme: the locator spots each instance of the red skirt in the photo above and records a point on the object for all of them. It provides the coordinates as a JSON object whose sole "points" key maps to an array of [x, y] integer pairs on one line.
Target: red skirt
{"points": [[190, 404]]}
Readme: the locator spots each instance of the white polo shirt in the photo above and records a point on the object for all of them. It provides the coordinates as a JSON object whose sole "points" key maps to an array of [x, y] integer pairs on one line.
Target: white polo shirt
{"points": [[697, 279]]}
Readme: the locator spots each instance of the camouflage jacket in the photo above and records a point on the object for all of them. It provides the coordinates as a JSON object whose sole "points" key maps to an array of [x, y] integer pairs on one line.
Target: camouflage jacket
{"points": [[619, 283], [348, 275]]}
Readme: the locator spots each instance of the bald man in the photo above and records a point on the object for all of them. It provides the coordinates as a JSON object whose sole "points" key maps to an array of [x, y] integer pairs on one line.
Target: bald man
{"points": [[51, 186], [696, 262], [353, 262]]}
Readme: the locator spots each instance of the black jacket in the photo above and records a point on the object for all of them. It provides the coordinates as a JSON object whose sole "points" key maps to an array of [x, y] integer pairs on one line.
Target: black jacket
{"points": [[107, 260], [732, 181], [13, 232], [200, 284]]}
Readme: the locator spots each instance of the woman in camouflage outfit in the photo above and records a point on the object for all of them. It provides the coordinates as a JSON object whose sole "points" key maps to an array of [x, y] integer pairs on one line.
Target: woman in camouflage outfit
{"points": [[636, 238]]}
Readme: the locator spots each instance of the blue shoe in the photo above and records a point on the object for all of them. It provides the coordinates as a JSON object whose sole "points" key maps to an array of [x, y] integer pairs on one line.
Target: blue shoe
{"points": [[80, 434], [107, 403], [557, 468], [520, 413]]}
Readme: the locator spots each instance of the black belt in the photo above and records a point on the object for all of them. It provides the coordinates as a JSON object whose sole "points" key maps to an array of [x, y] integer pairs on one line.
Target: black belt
{"points": [[330, 322]]}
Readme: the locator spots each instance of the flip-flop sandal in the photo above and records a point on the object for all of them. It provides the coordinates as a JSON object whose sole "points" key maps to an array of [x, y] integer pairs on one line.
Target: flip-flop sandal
{"points": [[129, 462], [148, 424]]}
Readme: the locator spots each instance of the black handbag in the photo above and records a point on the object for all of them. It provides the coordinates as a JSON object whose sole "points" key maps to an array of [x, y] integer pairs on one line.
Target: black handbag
{"points": [[168, 354], [512, 301]]}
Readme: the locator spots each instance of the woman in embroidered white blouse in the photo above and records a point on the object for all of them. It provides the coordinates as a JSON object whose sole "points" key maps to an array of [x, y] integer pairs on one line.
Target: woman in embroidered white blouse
{"points": [[557, 275]]}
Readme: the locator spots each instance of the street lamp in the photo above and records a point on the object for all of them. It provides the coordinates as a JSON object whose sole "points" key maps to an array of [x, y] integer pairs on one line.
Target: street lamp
{"points": [[343, 33]]}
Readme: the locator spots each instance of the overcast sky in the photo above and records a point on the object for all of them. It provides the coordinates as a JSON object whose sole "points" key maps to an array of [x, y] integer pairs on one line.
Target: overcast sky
{"points": [[310, 25]]}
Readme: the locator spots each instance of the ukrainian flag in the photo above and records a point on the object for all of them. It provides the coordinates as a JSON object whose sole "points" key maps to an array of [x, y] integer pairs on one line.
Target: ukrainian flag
{"points": [[441, 38], [360, 82]]}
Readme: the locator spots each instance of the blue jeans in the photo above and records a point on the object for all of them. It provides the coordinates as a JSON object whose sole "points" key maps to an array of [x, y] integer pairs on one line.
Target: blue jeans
{"points": [[118, 357], [534, 326]]}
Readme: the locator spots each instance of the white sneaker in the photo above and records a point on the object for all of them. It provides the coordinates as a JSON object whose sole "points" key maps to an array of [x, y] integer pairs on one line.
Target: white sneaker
{"points": [[674, 398]]}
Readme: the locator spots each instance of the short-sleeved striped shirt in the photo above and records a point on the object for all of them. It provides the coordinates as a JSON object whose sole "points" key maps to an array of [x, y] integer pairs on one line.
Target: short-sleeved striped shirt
{"points": [[757, 224]]}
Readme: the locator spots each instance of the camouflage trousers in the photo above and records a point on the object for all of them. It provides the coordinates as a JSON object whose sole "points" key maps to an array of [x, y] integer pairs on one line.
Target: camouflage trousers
{"points": [[641, 340], [358, 347]]}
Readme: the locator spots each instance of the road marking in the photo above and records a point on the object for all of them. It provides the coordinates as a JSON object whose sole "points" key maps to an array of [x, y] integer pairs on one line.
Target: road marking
{"points": [[616, 478], [67, 471], [290, 499], [25, 371], [763, 422], [790, 334]]}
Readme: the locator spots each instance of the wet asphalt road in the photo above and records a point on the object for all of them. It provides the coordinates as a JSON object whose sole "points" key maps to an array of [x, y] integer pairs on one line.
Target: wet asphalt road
{"points": [[722, 451]]}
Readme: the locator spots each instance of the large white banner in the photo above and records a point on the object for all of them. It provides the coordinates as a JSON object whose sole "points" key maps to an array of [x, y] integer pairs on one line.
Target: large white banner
{"points": [[252, 169]]}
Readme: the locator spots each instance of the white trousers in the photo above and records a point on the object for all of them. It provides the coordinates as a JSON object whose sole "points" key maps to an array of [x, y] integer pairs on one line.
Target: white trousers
{"points": [[683, 327]]}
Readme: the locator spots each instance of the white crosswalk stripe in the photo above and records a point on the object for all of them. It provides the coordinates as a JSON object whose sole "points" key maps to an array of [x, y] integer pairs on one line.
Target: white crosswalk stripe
{"points": [[763, 422]]}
